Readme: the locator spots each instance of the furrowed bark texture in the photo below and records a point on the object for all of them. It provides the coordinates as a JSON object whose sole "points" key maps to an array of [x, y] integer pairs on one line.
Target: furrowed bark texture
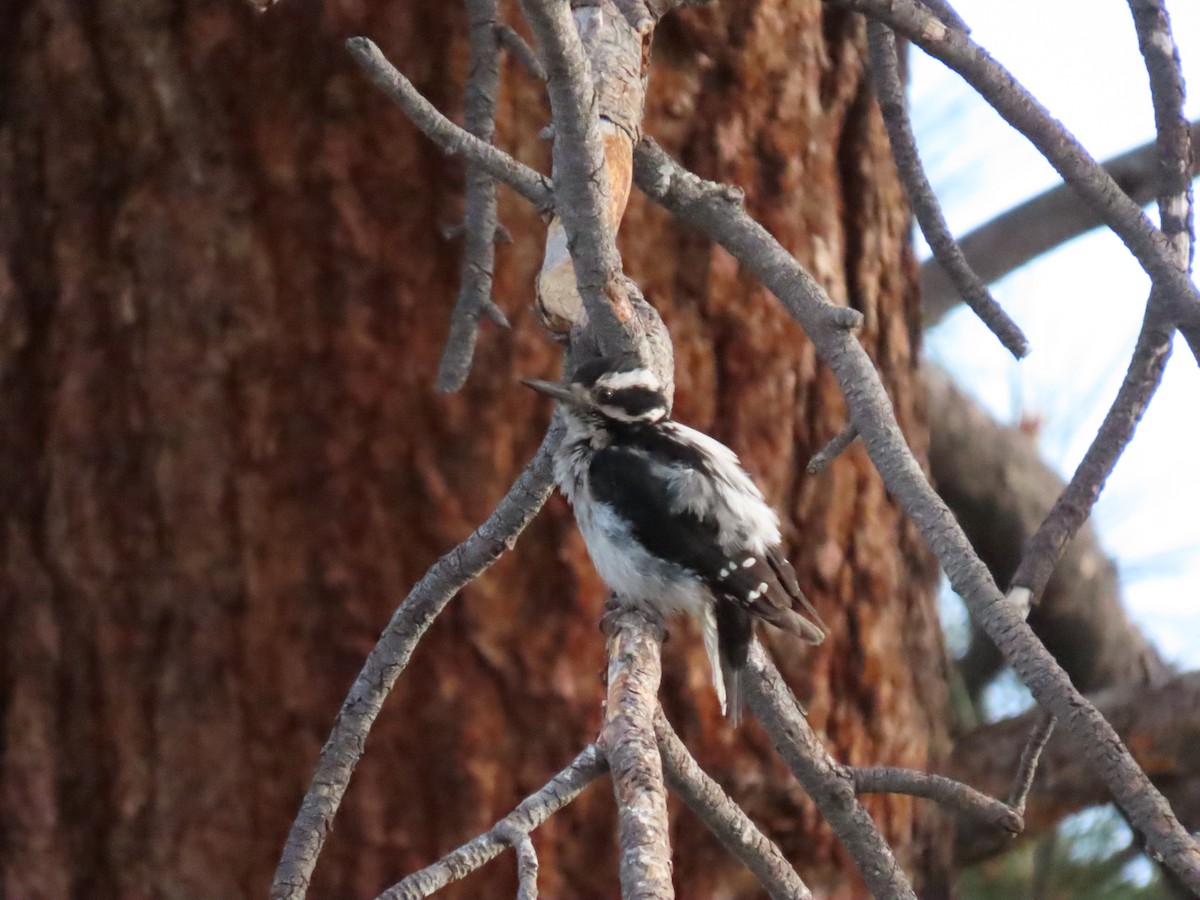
{"points": [[223, 295]]}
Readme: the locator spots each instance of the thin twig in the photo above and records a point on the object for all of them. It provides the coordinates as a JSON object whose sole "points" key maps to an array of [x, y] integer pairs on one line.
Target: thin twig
{"points": [[452, 140], [512, 41], [889, 89], [943, 790], [827, 454], [1074, 504], [823, 779], [479, 216], [1027, 766], [508, 832], [527, 861], [634, 672], [724, 818], [1030, 229], [1021, 110], [389, 657], [700, 204]]}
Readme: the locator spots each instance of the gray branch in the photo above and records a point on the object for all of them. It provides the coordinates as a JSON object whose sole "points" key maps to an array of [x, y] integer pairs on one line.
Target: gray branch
{"points": [[946, 791], [581, 188], [452, 140], [725, 819], [999, 488], [634, 672], [1020, 109], [824, 780], [1035, 227], [705, 206], [511, 41], [390, 656], [889, 89], [827, 454], [511, 831], [479, 215], [1027, 765]]}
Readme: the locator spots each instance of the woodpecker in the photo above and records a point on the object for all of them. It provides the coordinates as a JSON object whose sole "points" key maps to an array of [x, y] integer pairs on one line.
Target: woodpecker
{"points": [[671, 520]]}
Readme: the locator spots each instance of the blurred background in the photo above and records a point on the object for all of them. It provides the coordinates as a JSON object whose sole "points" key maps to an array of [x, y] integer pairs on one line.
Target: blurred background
{"points": [[1080, 306]]}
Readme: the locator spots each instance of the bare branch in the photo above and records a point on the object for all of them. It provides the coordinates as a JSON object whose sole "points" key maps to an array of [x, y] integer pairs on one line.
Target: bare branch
{"points": [[822, 778], [1150, 355], [1161, 722], [527, 861], [581, 178], [1074, 504], [634, 672], [389, 657], [1025, 232], [511, 831], [479, 218], [725, 819], [1027, 766], [511, 41], [946, 791], [827, 454], [1000, 490], [453, 141], [1021, 110], [892, 103], [698, 204], [1175, 154]]}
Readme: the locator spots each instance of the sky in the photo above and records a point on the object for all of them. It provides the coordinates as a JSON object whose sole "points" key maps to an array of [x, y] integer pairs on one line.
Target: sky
{"points": [[1081, 305]]}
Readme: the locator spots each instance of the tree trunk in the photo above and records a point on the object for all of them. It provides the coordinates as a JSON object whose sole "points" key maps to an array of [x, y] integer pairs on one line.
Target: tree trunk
{"points": [[223, 292]]}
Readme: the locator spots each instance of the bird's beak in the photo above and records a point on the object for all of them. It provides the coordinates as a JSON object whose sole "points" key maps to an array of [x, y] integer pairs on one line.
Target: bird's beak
{"points": [[558, 390]]}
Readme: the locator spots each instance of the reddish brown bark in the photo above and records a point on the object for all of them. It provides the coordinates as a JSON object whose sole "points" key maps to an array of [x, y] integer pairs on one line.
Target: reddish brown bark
{"points": [[223, 294]]}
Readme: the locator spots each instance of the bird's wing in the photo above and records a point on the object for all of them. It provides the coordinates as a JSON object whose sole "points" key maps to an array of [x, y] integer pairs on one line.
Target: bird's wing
{"points": [[630, 481]]}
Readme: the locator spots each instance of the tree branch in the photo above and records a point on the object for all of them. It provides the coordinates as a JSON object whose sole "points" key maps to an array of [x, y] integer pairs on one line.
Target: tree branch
{"points": [[511, 41], [1074, 504], [1027, 765], [1027, 231], [1160, 722], [582, 189], [479, 216], [892, 103], [946, 791], [725, 819], [634, 672], [511, 831], [389, 657], [823, 779], [452, 140], [994, 480], [827, 454], [699, 204], [1021, 110], [1174, 139]]}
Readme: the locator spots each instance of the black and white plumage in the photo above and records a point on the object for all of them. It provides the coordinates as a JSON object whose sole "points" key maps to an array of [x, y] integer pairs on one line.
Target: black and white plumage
{"points": [[670, 517]]}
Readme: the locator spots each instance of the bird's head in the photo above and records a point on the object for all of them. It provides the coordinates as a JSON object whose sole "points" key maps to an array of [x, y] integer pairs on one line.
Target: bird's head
{"points": [[616, 390]]}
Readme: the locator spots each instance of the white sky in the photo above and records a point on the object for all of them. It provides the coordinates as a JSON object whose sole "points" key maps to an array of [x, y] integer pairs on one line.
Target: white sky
{"points": [[1080, 306]]}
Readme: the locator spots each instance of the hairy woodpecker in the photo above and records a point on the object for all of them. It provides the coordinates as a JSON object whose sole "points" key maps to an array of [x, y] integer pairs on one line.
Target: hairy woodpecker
{"points": [[671, 519]]}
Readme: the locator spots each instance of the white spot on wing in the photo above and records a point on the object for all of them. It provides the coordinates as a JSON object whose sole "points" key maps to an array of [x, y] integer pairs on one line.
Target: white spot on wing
{"points": [[747, 562]]}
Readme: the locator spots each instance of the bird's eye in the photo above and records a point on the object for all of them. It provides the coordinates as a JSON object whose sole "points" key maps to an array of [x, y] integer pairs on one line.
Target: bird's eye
{"points": [[604, 394]]}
